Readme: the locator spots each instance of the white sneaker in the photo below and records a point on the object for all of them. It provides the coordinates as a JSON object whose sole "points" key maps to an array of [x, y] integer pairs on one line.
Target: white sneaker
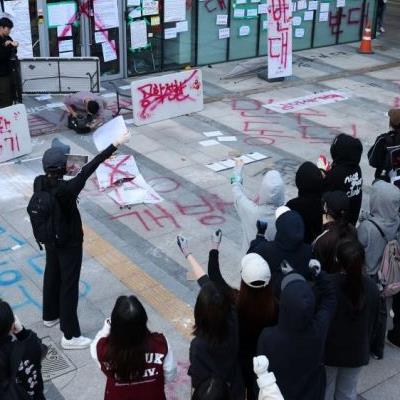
{"points": [[76, 343], [49, 324]]}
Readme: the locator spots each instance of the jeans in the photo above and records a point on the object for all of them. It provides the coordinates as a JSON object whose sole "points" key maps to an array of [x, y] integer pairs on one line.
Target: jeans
{"points": [[341, 383]]}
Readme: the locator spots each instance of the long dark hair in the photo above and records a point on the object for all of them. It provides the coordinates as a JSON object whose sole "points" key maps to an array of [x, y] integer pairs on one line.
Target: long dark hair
{"points": [[350, 256], [256, 307], [6, 319], [127, 343], [211, 313]]}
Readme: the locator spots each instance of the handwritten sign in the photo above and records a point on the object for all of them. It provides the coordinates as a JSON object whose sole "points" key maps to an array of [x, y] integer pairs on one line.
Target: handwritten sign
{"points": [[279, 38], [300, 103], [162, 97], [15, 140]]}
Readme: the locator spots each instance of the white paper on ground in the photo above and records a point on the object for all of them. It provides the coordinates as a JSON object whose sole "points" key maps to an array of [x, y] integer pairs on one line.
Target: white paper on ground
{"points": [[246, 159], [229, 163], [216, 167], [207, 143], [43, 97], [227, 138], [107, 133], [257, 156], [213, 133], [55, 105]]}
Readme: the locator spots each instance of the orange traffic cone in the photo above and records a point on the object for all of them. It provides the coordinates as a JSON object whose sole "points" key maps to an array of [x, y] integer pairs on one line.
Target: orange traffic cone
{"points": [[366, 42]]}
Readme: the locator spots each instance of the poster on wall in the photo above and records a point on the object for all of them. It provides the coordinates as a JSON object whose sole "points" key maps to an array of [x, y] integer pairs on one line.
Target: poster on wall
{"points": [[63, 13], [279, 38], [18, 12], [106, 14], [138, 34], [15, 139], [166, 96], [174, 10]]}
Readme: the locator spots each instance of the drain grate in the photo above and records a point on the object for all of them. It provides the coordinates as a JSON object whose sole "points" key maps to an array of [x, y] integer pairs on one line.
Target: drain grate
{"points": [[55, 363]]}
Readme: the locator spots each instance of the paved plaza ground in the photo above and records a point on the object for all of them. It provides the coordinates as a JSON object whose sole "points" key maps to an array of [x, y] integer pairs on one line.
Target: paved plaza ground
{"points": [[134, 251]]}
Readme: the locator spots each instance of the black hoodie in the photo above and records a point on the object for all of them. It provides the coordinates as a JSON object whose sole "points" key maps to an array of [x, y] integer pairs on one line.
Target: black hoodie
{"points": [[345, 173], [295, 347], [308, 203], [288, 245]]}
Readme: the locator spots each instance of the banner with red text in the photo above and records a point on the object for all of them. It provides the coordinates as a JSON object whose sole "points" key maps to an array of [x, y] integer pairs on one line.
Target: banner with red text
{"points": [[279, 38], [15, 140], [166, 96]]}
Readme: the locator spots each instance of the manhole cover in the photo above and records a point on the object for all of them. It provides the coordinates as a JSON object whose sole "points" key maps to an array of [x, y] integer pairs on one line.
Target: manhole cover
{"points": [[55, 363]]}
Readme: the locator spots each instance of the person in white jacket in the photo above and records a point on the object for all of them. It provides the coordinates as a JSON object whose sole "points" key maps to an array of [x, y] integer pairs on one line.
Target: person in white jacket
{"points": [[271, 195], [266, 381]]}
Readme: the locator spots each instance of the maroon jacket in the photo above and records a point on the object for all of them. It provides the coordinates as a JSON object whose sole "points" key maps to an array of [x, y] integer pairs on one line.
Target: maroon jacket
{"points": [[150, 386]]}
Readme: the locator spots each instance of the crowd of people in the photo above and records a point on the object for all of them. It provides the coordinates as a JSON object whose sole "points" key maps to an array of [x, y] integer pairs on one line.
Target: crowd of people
{"points": [[310, 310]]}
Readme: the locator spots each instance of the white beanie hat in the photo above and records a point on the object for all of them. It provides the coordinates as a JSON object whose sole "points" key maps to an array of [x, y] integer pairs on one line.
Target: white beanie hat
{"points": [[281, 210], [255, 269]]}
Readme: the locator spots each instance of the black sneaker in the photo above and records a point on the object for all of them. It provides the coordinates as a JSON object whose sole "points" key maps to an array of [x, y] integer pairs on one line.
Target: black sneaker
{"points": [[376, 356], [393, 338]]}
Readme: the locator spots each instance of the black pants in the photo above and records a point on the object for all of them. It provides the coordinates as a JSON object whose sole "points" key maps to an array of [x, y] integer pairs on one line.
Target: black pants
{"points": [[6, 95], [61, 287], [396, 311]]}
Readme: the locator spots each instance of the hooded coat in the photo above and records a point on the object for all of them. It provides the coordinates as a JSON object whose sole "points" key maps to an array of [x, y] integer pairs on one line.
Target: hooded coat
{"points": [[384, 203], [295, 347], [270, 196], [288, 245], [309, 182], [345, 173]]}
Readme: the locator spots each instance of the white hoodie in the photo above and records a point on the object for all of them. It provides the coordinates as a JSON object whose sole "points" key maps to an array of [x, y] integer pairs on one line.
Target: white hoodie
{"points": [[270, 196]]}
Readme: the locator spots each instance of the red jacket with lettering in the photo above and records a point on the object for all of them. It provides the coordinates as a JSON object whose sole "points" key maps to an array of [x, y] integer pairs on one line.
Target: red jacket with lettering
{"points": [[150, 386]]}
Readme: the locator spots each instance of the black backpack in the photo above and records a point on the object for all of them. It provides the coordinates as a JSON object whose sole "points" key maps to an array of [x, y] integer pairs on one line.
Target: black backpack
{"points": [[11, 389], [48, 225]]}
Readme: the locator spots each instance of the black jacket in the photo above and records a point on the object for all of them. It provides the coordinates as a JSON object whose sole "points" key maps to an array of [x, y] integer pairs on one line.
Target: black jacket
{"points": [[295, 347], [378, 155], [30, 377], [308, 203], [221, 360], [67, 193], [349, 337], [345, 173], [5, 55], [288, 245]]}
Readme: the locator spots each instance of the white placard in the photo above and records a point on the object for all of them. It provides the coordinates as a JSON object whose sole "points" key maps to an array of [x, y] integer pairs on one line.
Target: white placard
{"points": [[279, 39], [166, 96], [244, 30], [308, 15], [170, 33], [262, 8], [313, 5], [109, 52], [150, 7], [138, 34], [101, 36], [323, 17], [301, 5], [15, 139], [296, 21], [324, 7], [66, 54], [65, 45], [108, 132], [340, 3], [238, 13], [106, 14], [209, 142], [224, 33], [18, 12], [174, 10], [252, 12], [313, 100], [116, 169], [64, 30], [182, 26], [222, 19], [63, 13], [299, 32]]}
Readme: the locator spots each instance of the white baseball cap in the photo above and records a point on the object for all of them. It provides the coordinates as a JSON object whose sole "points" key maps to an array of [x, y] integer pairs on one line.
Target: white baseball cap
{"points": [[255, 271]]}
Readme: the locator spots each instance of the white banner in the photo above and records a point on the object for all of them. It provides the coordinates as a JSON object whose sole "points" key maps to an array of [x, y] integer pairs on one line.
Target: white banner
{"points": [[279, 38], [167, 96], [311, 101], [15, 140]]}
